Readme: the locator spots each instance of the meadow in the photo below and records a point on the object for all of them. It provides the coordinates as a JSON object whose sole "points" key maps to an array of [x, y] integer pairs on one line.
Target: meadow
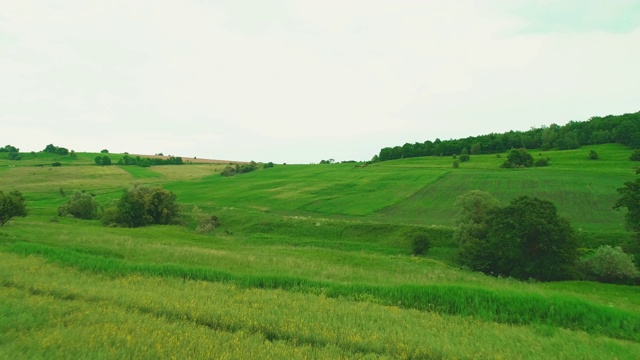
{"points": [[310, 261]]}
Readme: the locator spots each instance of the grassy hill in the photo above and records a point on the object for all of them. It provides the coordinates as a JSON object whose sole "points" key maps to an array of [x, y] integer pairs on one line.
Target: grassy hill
{"points": [[310, 261]]}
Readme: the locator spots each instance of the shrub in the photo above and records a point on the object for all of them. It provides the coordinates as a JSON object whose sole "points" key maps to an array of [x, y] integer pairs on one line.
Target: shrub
{"points": [[542, 162], [593, 155], [609, 264], [81, 205], [206, 223], [14, 156], [420, 244], [142, 206], [104, 151], [456, 164], [103, 160], [464, 155], [56, 163], [518, 158], [635, 155], [11, 205]]}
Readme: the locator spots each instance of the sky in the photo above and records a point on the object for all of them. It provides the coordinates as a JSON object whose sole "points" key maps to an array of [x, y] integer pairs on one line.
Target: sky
{"points": [[300, 81]]}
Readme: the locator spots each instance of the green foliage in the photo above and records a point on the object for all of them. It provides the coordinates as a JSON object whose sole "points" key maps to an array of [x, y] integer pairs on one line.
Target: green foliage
{"points": [[420, 243], [268, 165], [635, 155], [142, 206], [330, 161], [474, 208], [593, 155], [518, 158], [542, 162], [239, 169], [56, 150], [456, 164], [103, 160], [147, 162], [205, 223], [621, 129], [104, 151], [630, 199], [526, 239], [56, 164], [609, 264], [14, 156], [464, 155], [9, 149], [11, 205], [81, 205]]}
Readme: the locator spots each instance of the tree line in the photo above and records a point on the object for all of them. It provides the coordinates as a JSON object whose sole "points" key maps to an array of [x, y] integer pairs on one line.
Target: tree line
{"points": [[621, 129]]}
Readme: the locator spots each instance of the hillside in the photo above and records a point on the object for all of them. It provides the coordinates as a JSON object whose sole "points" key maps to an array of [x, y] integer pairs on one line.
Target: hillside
{"points": [[309, 261]]}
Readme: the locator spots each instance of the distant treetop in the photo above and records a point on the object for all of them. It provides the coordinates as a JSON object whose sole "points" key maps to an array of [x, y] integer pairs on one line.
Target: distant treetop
{"points": [[621, 129]]}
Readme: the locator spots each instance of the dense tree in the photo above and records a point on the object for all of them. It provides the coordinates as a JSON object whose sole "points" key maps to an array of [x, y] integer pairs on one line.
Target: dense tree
{"points": [[474, 208], [81, 205], [14, 156], [529, 239], [630, 199], [142, 206], [525, 239], [622, 129], [56, 150], [103, 160], [9, 149], [11, 205], [464, 155], [518, 158], [104, 151], [147, 162]]}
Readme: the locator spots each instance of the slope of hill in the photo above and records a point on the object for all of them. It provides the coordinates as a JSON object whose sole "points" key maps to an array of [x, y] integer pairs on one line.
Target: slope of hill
{"points": [[309, 261]]}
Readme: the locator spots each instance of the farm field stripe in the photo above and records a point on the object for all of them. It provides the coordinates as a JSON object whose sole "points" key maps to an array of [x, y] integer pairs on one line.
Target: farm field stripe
{"points": [[498, 306]]}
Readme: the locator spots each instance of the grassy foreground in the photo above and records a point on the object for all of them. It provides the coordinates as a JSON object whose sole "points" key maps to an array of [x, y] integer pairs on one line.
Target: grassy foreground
{"points": [[311, 261]]}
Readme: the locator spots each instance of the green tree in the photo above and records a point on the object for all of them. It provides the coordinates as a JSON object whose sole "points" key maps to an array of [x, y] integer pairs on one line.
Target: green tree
{"points": [[528, 239], [9, 149], [81, 205], [11, 205], [611, 265], [593, 155], [635, 155], [142, 206], [525, 239], [104, 151], [630, 199], [464, 155], [518, 158], [103, 160], [474, 208]]}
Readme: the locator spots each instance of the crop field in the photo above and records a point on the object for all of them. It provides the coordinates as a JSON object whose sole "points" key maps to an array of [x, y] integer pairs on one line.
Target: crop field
{"points": [[309, 261]]}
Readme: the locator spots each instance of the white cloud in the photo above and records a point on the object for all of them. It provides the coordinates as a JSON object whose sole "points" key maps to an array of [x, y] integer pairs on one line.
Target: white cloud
{"points": [[295, 81]]}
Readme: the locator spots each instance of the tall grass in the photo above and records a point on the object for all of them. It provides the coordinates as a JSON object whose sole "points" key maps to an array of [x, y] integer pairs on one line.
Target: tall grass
{"points": [[53, 312], [510, 307]]}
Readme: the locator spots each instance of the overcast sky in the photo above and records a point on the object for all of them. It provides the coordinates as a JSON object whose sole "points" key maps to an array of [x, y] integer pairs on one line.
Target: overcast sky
{"points": [[299, 81]]}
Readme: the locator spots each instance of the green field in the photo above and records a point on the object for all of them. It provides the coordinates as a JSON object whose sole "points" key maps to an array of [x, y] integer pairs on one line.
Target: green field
{"points": [[310, 261]]}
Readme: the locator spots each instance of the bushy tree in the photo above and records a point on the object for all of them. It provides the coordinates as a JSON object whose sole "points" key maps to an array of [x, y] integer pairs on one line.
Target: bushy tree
{"points": [[630, 199], [9, 149], [464, 155], [593, 155], [420, 244], [635, 155], [518, 158], [142, 206], [525, 239], [609, 264], [11, 205], [104, 151], [542, 162], [14, 156], [81, 205], [474, 208], [103, 160]]}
